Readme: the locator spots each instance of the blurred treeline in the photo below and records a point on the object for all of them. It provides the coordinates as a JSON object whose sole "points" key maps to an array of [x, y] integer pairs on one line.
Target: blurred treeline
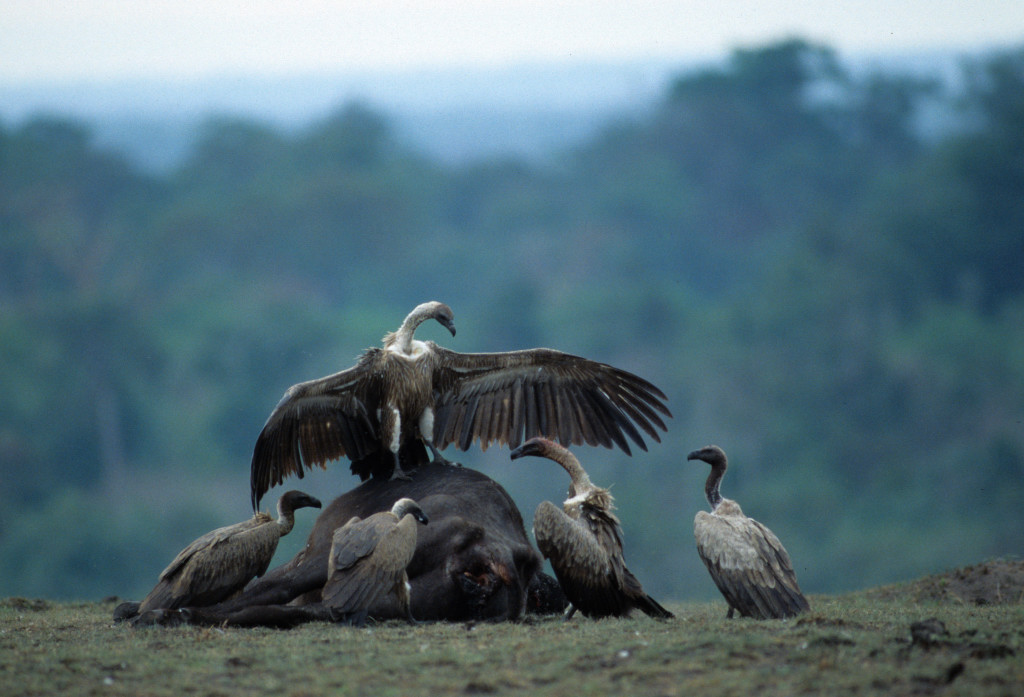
{"points": [[824, 270]]}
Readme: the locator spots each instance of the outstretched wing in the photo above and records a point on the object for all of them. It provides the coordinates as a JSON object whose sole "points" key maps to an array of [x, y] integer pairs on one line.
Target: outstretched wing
{"points": [[749, 565], [513, 396], [315, 422]]}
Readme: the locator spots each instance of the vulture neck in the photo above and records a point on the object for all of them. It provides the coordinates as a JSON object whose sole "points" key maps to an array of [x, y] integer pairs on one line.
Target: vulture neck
{"points": [[401, 340], [714, 481], [580, 479], [583, 490], [285, 518]]}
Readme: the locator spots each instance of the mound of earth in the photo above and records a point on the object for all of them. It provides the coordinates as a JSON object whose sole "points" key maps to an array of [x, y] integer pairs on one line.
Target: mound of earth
{"points": [[991, 582]]}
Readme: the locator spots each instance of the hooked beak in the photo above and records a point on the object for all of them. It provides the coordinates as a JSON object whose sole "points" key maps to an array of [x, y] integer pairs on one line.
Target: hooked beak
{"points": [[447, 324], [527, 448]]}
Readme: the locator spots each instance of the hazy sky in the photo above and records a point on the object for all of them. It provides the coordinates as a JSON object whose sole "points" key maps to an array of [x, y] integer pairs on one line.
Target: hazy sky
{"points": [[102, 39]]}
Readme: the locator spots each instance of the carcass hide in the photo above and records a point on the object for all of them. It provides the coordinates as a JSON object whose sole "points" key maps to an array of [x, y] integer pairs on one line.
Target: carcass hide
{"points": [[473, 560]]}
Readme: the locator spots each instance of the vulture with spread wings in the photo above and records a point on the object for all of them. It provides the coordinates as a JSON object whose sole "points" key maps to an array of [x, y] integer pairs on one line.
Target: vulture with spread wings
{"points": [[410, 395]]}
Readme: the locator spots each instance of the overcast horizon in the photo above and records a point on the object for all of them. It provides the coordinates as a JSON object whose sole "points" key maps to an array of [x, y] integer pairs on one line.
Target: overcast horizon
{"points": [[537, 74], [114, 40]]}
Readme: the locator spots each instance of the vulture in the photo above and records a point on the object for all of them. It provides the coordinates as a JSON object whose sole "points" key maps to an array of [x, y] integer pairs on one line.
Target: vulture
{"points": [[219, 564], [746, 560], [408, 394], [368, 560], [583, 541]]}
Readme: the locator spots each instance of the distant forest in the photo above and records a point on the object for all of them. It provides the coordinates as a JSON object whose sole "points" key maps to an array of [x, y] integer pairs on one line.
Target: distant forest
{"points": [[826, 289]]}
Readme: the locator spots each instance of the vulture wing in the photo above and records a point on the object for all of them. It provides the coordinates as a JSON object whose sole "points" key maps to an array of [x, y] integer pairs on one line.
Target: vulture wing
{"points": [[366, 562], [749, 565], [220, 570], [583, 567], [315, 422], [566, 542], [211, 539], [357, 539], [607, 531], [513, 396], [216, 565]]}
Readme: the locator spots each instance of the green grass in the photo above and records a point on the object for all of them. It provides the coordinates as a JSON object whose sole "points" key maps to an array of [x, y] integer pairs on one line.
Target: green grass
{"points": [[856, 644]]}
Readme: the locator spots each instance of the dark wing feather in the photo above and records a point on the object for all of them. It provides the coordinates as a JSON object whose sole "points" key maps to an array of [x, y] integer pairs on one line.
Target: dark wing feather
{"points": [[315, 422], [586, 556], [607, 530], [581, 565], [749, 565], [541, 392]]}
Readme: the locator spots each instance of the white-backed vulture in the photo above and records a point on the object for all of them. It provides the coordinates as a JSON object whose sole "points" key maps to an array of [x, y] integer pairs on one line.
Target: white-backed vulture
{"points": [[368, 560], [583, 542], [380, 412], [219, 564], [746, 560]]}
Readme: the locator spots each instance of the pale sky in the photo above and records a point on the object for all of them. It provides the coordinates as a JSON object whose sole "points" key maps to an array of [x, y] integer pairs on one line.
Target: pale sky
{"points": [[117, 39]]}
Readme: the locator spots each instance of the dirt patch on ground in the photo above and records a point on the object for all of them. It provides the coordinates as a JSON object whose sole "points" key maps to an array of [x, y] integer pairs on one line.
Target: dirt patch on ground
{"points": [[993, 582]]}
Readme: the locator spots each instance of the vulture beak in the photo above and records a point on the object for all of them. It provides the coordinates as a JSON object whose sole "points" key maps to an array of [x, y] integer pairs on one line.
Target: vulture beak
{"points": [[447, 324], [530, 447]]}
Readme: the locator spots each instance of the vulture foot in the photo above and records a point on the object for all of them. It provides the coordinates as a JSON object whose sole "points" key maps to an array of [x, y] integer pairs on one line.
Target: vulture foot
{"points": [[440, 459], [355, 619], [126, 611], [161, 618]]}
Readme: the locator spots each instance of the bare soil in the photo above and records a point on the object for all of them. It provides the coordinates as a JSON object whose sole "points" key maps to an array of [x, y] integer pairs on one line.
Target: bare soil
{"points": [[993, 582]]}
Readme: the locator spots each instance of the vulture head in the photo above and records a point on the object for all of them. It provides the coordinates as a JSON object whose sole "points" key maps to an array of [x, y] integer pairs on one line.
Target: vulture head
{"points": [[580, 487], [714, 456], [536, 447], [434, 310], [711, 454], [408, 506], [294, 500]]}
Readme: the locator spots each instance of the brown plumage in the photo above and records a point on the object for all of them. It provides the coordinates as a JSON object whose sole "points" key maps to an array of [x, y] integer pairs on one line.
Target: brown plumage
{"points": [[583, 541], [219, 564], [746, 560], [381, 412], [368, 560]]}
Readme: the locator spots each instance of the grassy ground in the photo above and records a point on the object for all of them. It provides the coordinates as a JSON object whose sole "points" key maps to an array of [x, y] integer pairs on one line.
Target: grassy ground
{"points": [[858, 644]]}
